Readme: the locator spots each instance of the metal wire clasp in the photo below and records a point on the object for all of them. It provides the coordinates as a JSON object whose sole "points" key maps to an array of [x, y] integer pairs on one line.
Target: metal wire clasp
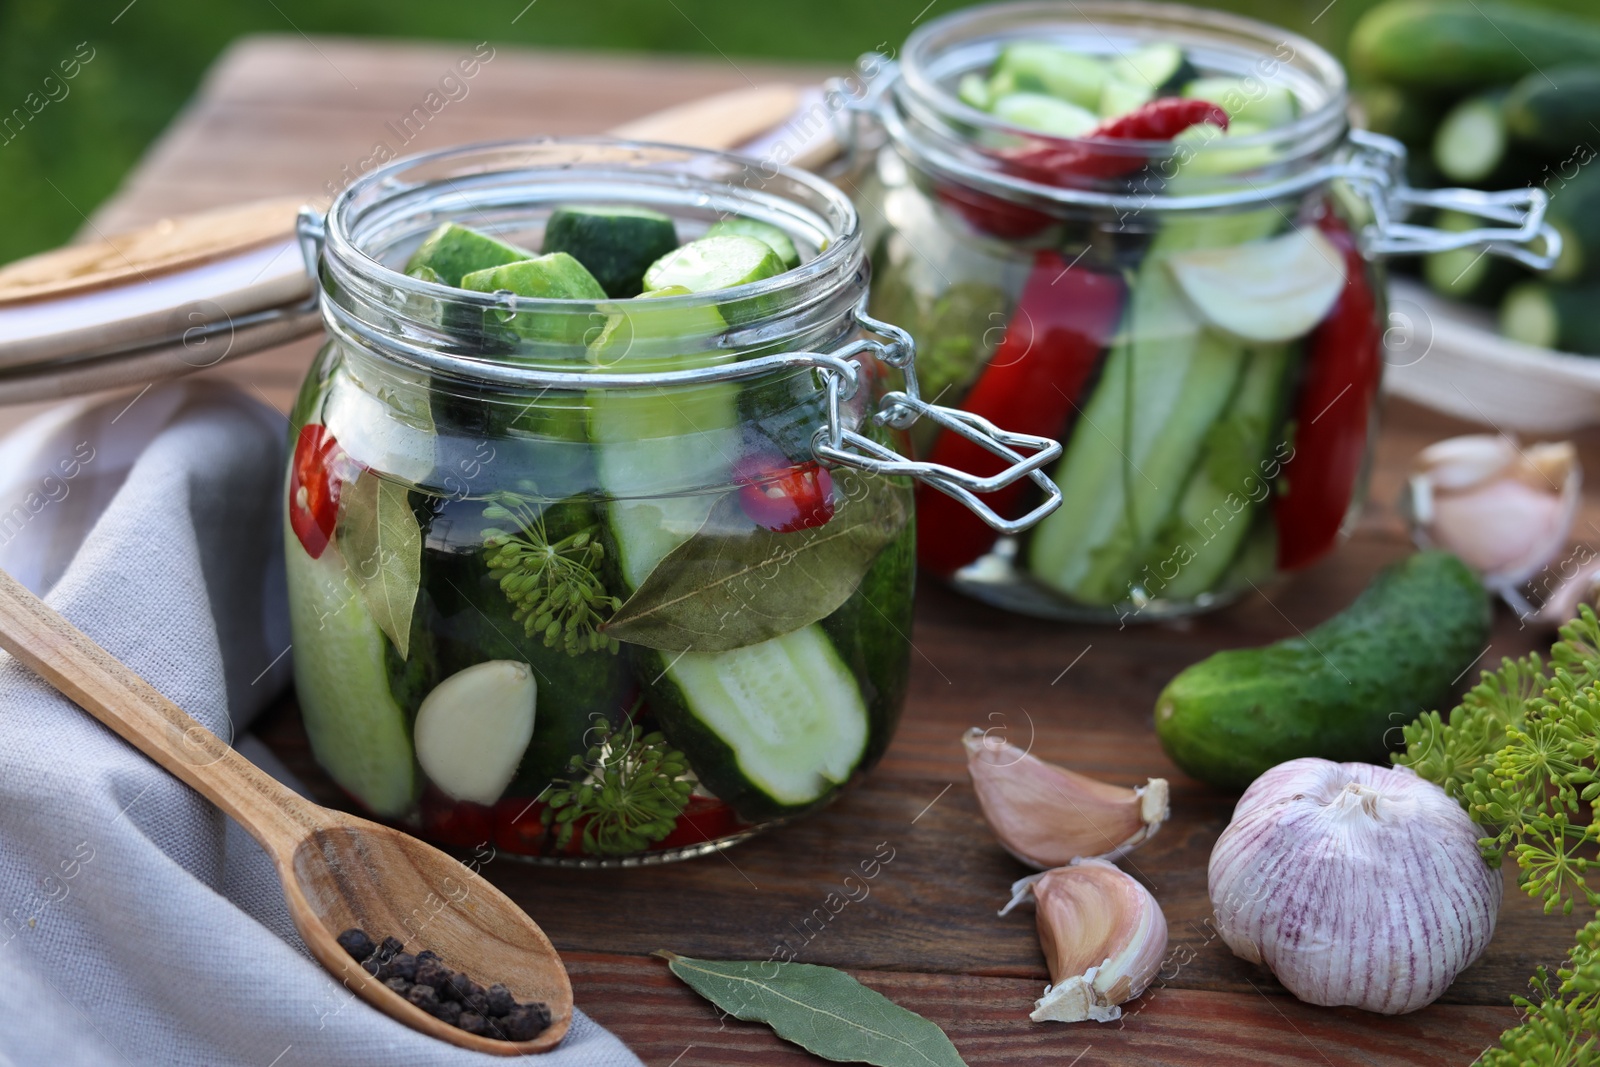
{"points": [[1025, 454], [1375, 167]]}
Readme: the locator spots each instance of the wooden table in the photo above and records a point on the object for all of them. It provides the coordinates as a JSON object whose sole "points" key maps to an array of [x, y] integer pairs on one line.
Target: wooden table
{"points": [[284, 114]]}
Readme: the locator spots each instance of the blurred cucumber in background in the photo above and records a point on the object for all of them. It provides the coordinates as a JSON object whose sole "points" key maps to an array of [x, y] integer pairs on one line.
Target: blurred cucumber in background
{"points": [[77, 137], [1494, 95]]}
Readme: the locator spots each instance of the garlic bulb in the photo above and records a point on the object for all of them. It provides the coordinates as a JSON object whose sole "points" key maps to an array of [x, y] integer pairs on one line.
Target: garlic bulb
{"points": [[1505, 509], [1048, 816], [1103, 937], [1354, 884]]}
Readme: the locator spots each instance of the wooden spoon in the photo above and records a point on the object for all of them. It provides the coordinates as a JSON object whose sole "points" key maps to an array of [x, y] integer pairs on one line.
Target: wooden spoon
{"points": [[338, 871]]}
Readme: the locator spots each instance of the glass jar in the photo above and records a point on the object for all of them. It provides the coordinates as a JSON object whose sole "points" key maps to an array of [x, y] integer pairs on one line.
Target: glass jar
{"points": [[602, 581], [1201, 323]]}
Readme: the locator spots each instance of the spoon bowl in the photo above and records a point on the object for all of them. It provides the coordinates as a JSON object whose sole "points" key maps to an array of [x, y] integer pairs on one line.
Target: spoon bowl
{"points": [[338, 871]]}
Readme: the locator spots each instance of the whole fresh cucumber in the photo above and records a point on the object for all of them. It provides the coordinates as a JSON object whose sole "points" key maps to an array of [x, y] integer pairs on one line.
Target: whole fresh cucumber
{"points": [[1555, 111], [1466, 44], [1341, 690]]}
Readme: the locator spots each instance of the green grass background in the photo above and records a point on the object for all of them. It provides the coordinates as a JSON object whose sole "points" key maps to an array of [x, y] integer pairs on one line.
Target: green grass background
{"points": [[151, 55]]}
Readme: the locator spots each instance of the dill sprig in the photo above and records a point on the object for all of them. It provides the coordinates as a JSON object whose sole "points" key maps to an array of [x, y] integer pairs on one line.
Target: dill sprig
{"points": [[627, 792], [1522, 755], [554, 588]]}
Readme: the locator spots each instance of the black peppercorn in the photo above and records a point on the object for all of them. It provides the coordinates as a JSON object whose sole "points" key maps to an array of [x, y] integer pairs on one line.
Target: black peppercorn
{"points": [[500, 1000], [460, 987], [526, 1022], [473, 1023], [399, 985], [390, 948], [431, 972], [427, 954], [449, 1011], [403, 965], [424, 997], [356, 942]]}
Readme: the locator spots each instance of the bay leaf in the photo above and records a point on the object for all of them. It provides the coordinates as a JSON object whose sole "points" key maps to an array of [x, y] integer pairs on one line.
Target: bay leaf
{"points": [[731, 585], [382, 547], [823, 1010]]}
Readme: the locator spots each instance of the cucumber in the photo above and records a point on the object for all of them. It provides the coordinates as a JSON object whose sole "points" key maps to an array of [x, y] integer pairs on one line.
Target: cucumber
{"points": [[1556, 110], [1339, 692], [616, 243], [1575, 213], [1246, 100], [973, 91], [1227, 491], [1465, 44], [451, 252], [713, 263], [358, 733], [1045, 114], [1409, 117], [1470, 144], [1562, 317], [1215, 155], [769, 728], [1468, 274], [1118, 97], [1036, 67], [1090, 547], [1161, 66], [765, 232], [556, 276]]}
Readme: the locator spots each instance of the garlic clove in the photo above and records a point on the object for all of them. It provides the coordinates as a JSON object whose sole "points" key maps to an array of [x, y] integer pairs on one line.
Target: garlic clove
{"points": [[1562, 603], [1103, 936], [1047, 816], [1504, 509]]}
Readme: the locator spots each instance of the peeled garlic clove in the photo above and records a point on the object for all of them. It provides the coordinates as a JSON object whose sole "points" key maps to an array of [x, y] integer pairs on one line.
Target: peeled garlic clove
{"points": [[1505, 510], [1048, 816], [1103, 937], [1561, 606], [1354, 884]]}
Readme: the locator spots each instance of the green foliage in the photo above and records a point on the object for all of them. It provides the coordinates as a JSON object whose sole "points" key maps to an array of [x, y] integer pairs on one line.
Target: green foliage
{"points": [[555, 588], [625, 792], [1521, 753]]}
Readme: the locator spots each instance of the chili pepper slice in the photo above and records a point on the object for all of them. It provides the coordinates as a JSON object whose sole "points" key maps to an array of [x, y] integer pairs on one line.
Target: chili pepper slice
{"points": [[1159, 120], [703, 819], [1061, 327], [314, 480], [783, 496], [1333, 415]]}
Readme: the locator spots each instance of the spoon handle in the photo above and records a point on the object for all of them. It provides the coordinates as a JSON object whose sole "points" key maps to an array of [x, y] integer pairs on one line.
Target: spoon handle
{"points": [[106, 688]]}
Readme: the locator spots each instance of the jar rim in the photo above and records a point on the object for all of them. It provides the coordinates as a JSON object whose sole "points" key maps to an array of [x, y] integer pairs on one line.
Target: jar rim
{"points": [[924, 115], [362, 222]]}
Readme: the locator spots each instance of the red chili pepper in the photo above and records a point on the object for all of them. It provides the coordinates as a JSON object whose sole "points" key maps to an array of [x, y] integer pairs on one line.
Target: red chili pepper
{"points": [[1159, 120], [703, 819], [993, 215], [1062, 324], [314, 480], [518, 826], [1332, 417], [783, 496]]}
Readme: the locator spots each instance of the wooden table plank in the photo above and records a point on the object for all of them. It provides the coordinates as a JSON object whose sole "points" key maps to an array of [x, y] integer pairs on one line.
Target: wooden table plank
{"points": [[279, 116]]}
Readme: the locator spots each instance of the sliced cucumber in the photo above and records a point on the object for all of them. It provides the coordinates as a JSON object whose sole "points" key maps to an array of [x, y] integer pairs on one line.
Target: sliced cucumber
{"points": [[1471, 142], [764, 232], [1469, 274], [1118, 97], [451, 252], [1230, 485], [771, 726], [713, 263], [973, 90], [1030, 66], [1215, 155], [1245, 99], [1272, 290], [1046, 114], [1161, 66], [768, 727], [358, 733], [557, 276], [473, 728], [1563, 317], [616, 243]]}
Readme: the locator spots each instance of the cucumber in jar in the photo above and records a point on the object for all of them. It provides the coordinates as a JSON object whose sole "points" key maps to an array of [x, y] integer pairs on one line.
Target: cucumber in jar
{"points": [[770, 727]]}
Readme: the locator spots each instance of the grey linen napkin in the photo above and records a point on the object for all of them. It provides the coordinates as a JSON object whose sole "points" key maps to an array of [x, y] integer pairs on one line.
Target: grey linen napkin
{"points": [[138, 925]]}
